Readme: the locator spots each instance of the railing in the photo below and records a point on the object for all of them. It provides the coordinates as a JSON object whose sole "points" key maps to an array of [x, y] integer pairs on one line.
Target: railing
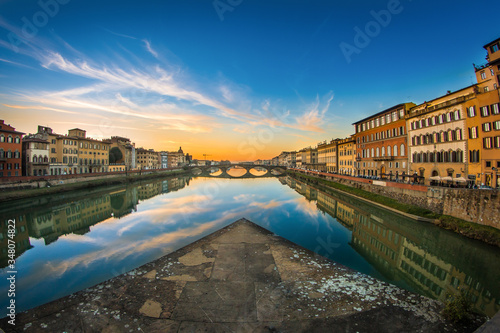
{"points": [[384, 158]]}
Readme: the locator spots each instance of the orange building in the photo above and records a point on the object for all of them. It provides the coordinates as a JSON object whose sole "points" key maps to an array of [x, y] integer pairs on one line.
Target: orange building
{"points": [[10, 151], [488, 75], [381, 143]]}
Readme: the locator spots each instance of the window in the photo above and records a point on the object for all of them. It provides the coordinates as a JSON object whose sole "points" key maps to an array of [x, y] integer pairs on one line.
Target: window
{"points": [[494, 48], [52, 150], [383, 151], [486, 127], [497, 141], [402, 153], [456, 114], [488, 164], [9, 139], [496, 125], [485, 89], [17, 140], [388, 150], [483, 75], [485, 111], [395, 150], [471, 111], [492, 72], [473, 132], [487, 143], [494, 108], [458, 134]]}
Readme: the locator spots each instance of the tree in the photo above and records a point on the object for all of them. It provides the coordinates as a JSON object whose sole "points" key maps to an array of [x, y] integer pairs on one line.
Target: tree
{"points": [[115, 155]]}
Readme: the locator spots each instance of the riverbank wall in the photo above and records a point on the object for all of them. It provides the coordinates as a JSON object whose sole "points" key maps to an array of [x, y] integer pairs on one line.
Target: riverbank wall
{"points": [[471, 205], [26, 187]]}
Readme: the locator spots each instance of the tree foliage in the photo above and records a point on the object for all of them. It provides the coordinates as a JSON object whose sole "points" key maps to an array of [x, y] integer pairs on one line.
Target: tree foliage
{"points": [[115, 155]]}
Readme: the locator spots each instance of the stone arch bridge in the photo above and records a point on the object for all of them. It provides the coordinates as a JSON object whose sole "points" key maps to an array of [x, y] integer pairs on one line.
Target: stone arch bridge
{"points": [[206, 170]]}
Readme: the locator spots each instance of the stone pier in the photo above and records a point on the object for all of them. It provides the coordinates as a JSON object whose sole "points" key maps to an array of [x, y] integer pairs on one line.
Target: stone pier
{"points": [[239, 279]]}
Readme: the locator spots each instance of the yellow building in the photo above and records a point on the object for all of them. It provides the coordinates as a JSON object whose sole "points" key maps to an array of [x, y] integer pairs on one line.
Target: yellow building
{"points": [[346, 152], [93, 155], [147, 159], [437, 137], [116, 167], [327, 156]]}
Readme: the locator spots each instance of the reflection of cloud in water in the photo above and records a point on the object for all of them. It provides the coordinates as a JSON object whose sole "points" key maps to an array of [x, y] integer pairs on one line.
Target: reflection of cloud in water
{"points": [[307, 207], [243, 197], [120, 250]]}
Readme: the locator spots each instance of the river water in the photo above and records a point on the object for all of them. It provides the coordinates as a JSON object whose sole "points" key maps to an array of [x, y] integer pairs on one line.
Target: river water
{"points": [[68, 242]]}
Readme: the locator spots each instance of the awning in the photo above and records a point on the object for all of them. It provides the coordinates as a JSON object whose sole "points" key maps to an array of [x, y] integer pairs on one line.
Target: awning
{"points": [[460, 180], [435, 178], [447, 178]]}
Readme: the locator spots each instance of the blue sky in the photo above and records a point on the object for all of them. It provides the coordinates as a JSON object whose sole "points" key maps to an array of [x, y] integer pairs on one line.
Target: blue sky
{"points": [[236, 79]]}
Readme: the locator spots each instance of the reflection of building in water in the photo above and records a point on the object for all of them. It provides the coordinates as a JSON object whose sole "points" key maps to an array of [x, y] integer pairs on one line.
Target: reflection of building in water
{"points": [[123, 202], [429, 272], [300, 188], [378, 244], [21, 238], [177, 183], [290, 182], [78, 216], [311, 193], [148, 191], [476, 291], [342, 212], [430, 260]]}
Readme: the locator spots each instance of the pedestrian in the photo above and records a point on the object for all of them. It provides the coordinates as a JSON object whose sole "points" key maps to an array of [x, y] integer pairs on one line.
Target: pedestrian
{"points": [[415, 178]]}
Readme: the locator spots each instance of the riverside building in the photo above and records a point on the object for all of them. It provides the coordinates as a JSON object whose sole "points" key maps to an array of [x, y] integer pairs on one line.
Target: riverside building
{"points": [[382, 144], [10, 151]]}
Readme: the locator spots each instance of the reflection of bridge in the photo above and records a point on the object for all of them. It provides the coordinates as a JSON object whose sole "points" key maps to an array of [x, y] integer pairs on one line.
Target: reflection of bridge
{"points": [[209, 170]]}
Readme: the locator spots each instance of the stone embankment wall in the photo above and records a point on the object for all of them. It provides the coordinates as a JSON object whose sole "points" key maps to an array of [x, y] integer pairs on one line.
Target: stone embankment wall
{"points": [[473, 205], [22, 183]]}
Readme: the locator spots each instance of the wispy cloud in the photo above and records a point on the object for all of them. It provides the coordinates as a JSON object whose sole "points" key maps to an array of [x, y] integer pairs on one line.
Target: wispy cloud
{"points": [[313, 118], [38, 107], [161, 94], [149, 48], [118, 34]]}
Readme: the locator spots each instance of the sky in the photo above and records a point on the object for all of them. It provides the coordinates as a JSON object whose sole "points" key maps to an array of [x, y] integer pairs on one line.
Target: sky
{"points": [[232, 79]]}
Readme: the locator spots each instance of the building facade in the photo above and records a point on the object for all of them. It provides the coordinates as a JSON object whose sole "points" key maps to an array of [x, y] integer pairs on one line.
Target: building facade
{"points": [[92, 154], [437, 136], [147, 159], [381, 143], [483, 138], [327, 156], [488, 75], [346, 156], [127, 150], [10, 151], [309, 158], [35, 155]]}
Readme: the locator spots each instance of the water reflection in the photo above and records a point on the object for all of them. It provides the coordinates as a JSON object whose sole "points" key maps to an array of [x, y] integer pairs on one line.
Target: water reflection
{"points": [[71, 241], [411, 254]]}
